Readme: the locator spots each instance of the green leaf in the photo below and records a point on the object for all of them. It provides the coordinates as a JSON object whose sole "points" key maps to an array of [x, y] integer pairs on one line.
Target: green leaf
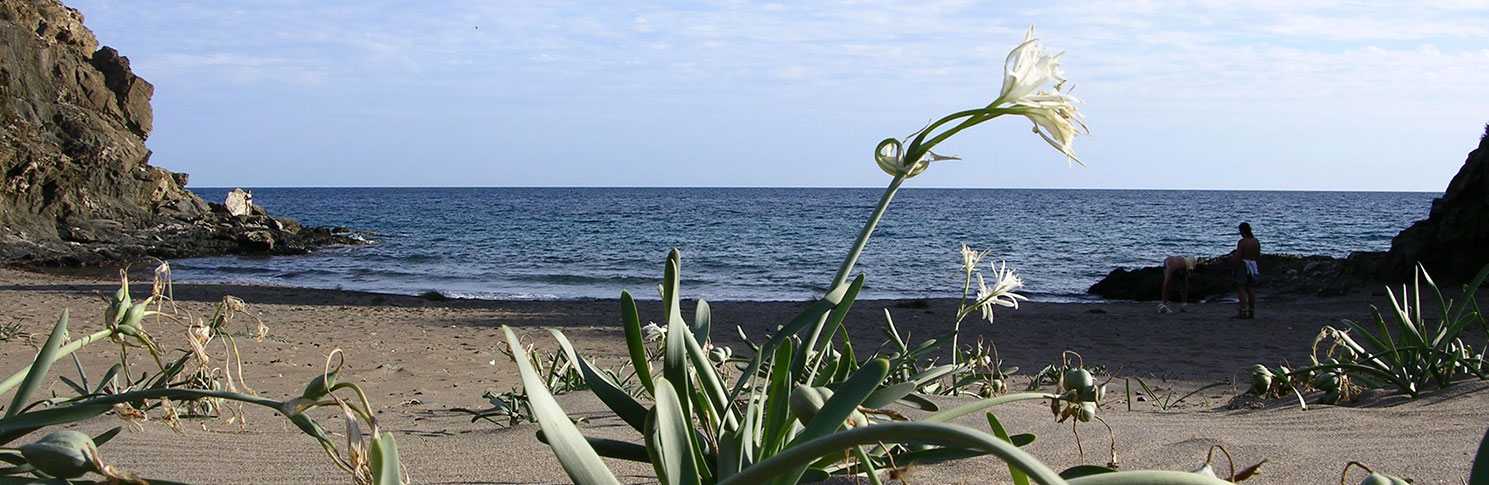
{"points": [[673, 438], [885, 395], [1018, 477], [624, 450], [777, 419], [22, 424], [800, 455], [40, 366], [624, 406], [1084, 471], [702, 318], [845, 400], [635, 341], [916, 402], [385, 468], [806, 317], [579, 460], [1479, 474], [725, 416]]}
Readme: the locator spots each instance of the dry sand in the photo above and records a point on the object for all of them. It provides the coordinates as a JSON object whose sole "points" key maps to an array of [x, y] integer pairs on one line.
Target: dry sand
{"points": [[417, 359]]}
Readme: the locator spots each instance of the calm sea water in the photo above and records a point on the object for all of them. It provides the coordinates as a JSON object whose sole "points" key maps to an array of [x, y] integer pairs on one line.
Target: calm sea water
{"points": [[781, 243]]}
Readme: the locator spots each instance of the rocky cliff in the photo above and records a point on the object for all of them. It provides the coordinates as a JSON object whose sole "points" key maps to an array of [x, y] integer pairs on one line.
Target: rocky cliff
{"points": [[76, 186], [1453, 242]]}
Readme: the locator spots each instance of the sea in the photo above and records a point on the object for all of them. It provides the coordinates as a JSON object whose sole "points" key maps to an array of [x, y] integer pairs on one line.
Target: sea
{"points": [[554, 243]]}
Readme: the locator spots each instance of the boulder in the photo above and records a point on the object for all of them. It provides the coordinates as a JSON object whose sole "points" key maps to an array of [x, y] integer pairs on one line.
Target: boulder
{"points": [[1452, 243], [1281, 274]]}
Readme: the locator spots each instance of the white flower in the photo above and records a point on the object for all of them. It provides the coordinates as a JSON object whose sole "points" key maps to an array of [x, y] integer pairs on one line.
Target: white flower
{"points": [[652, 332], [1025, 74], [1005, 281], [971, 258], [1027, 69]]}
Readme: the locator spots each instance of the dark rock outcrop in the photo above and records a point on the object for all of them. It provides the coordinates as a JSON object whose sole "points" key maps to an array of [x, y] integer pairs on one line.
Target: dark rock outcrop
{"points": [[76, 187], [1452, 244], [1282, 274]]}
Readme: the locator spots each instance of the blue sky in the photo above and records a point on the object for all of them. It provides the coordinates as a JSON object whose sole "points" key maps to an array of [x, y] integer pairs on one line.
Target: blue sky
{"points": [[1209, 94]]}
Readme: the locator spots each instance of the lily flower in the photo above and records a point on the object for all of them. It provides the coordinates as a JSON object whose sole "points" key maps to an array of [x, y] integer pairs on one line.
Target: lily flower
{"points": [[1053, 112], [1005, 281], [652, 332], [971, 258]]}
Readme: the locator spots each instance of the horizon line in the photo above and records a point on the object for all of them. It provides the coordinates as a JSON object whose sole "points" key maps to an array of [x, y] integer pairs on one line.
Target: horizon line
{"points": [[1146, 189]]}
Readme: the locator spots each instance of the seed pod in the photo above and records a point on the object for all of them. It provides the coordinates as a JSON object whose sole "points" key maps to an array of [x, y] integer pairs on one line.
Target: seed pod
{"points": [[1261, 380], [1377, 479], [134, 315], [1325, 381], [62, 454], [1330, 397], [1086, 412], [806, 401], [719, 355], [319, 387], [1077, 379]]}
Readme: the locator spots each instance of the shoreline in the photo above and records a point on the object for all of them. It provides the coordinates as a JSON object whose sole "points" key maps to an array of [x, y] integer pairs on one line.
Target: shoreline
{"points": [[417, 359]]}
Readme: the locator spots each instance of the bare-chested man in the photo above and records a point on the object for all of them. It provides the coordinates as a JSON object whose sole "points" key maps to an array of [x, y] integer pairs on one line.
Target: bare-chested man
{"points": [[1248, 250]]}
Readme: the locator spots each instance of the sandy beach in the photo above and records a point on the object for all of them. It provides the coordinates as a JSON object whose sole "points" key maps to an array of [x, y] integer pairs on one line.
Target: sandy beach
{"points": [[417, 359]]}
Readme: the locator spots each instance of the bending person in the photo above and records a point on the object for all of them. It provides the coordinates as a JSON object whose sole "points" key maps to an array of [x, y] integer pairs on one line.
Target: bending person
{"points": [[1176, 267]]}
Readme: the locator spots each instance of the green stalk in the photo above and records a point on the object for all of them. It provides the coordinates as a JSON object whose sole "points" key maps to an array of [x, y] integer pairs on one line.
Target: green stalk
{"points": [[181, 393], [868, 229], [16, 378]]}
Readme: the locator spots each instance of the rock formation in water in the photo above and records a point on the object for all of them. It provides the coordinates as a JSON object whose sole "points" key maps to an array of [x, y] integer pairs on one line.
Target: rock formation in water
{"points": [[1281, 274], [1452, 244], [76, 186]]}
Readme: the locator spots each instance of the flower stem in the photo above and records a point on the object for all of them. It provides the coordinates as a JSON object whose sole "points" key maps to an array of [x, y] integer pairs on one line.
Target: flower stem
{"points": [[868, 229]]}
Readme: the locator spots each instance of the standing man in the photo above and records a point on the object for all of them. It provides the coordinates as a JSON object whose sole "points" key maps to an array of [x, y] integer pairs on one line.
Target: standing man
{"points": [[1248, 250]]}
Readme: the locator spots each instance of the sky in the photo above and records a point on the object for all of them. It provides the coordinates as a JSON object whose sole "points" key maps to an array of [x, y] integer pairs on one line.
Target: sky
{"points": [[1204, 94]]}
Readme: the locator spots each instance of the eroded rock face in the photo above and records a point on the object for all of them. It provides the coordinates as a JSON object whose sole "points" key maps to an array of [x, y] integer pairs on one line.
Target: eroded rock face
{"points": [[1453, 242], [76, 186]]}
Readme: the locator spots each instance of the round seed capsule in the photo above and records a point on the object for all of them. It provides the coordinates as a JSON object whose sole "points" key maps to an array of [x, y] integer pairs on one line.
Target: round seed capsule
{"points": [[62, 454]]}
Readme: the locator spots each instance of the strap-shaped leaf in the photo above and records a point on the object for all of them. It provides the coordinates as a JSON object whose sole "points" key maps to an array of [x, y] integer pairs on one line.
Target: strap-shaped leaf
{"points": [[385, 468], [579, 460], [702, 321], [1019, 478], [624, 450], [40, 366], [806, 317], [1480, 472], [624, 406], [889, 394], [777, 418], [726, 416], [22, 424], [635, 341], [673, 438], [844, 402]]}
